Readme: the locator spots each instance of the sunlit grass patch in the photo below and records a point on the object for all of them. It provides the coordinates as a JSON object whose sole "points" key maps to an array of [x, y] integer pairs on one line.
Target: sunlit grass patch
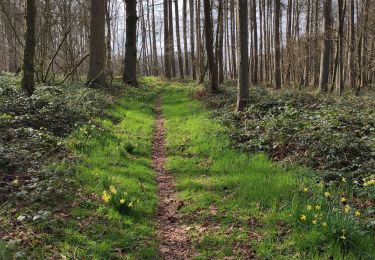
{"points": [[116, 165], [288, 212]]}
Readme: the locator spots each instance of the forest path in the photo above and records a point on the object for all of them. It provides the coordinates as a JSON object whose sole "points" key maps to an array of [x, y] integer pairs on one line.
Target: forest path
{"points": [[174, 242]]}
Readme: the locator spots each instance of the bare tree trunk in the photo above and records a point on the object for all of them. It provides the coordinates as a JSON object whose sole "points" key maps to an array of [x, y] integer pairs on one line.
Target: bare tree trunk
{"points": [[28, 83], [327, 47], [184, 29], [171, 39], [255, 43], [277, 73], [243, 55], [179, 51], [340, 45], [208, 28], [97, 65], [167, 68], [109, 39], [351, 57], [130, 65], [192, 41], [233, 38], [363, 75], [155, 52], [220, 42]]}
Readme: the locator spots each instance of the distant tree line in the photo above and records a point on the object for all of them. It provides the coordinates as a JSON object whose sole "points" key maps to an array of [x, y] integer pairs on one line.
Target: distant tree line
{"points": [[328, 44]]}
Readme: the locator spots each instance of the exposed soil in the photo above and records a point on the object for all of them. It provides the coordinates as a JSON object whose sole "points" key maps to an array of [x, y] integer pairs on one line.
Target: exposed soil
{"points": [[174, 242]]}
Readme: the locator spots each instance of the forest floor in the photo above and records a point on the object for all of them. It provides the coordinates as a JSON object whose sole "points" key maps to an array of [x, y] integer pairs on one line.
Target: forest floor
{"points": [[154, 174]]}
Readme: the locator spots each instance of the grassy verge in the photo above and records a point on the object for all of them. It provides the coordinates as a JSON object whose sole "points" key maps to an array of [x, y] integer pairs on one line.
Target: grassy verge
{"points": [[105, 205], [233, 200]]}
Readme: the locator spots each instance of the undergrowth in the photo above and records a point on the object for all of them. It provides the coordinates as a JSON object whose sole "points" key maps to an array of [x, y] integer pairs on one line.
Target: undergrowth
{"points": [[78, 181]]}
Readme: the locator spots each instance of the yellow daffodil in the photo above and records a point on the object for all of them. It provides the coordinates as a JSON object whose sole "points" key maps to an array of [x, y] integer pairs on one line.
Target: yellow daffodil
{"points": [[309, 207], [303, 217], [130, 204], [318, 207], [113, 189], [324, 224], [305, 189], [347, 209], [357, 214], [314, 222], [122, 201], [106, 197], [327, 194], [343, 199], [343, 179]]}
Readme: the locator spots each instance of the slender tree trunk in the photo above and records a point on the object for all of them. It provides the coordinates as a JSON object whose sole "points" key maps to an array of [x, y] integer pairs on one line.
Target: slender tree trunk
{"points": [[109, 40], [220, 42], [255, 43], [179, 51], [243, 56], [28, 83], [171, 39], [233, 38], [184, 29], [261, 41], [208, 27], [155, 52], [130, 65], [327, 47], [340, 45], [364, 54], [192, 41], [277, 73], [96, 75], [167, 68], [351, 57]]}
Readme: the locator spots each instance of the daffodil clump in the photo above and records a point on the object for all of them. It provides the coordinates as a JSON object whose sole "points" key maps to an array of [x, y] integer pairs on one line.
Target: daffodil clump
{"points": [[330, 212], [119, 199], [369, 186]]}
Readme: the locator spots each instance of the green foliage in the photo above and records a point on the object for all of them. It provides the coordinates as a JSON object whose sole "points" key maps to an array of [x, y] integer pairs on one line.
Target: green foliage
{"points": [[90, 144], [236, 194], [331, 134]]}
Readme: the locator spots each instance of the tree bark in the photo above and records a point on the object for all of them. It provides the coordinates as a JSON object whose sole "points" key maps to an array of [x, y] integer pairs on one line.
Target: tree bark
{"points": [[192, 41], [208, 27], [243, 56], [277, 73], [351, 57], [96, 74], [167, 68], [255, 43], [155, 52], [340, 45], [220, 42], [179, 51], [171, 39], [327, 47], [28, 82], [130, 64], [184, 29]]}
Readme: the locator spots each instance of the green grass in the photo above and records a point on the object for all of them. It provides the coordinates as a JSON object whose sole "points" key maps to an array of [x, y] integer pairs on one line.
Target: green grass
{"points": [[233, 201], [244, 200], [112, 154], [117, 155]]}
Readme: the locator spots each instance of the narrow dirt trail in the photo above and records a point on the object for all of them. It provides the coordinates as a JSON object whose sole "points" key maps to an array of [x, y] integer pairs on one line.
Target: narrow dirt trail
{"points": [[174, 242]]}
